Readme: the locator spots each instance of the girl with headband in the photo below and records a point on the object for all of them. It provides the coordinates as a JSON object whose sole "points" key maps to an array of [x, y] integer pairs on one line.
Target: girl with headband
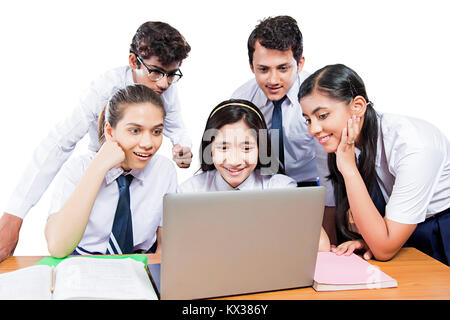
{"points": [[390, 173], [235, 154]]}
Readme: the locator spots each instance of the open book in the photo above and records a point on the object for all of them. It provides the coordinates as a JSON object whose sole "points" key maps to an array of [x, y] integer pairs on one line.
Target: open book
{"points": [[335, 272], [79, 278]]}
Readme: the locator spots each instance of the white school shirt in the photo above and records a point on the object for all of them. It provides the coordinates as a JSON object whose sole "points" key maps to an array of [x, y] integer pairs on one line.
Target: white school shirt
{"points": [[147, 189], [299, 148], [56, 148], [413, 166], [211, 180]]}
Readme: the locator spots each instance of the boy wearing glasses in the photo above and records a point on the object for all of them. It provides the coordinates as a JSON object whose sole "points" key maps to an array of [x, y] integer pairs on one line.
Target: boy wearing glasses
{"points": [[156, 53]]}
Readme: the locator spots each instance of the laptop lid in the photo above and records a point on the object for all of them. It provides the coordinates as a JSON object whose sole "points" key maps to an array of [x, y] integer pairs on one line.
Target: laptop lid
{"points": [[227, 243]]}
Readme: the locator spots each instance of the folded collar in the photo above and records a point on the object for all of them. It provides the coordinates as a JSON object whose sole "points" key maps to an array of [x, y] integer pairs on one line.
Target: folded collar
{"points": [[114, 173]]}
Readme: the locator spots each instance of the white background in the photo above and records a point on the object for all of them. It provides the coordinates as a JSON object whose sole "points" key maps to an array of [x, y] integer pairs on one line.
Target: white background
{"points": [[52, 50]]}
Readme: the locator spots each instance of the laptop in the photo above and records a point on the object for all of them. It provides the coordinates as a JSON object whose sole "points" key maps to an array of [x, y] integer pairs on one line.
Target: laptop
{"points": [[228, 243]]}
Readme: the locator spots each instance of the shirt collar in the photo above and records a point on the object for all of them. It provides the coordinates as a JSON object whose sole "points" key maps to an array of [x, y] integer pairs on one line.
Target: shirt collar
{"points": [[292, 94], [114, 173]]}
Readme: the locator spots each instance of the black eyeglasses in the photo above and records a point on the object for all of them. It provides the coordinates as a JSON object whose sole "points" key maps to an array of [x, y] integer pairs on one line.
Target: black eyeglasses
{"points": [[158, 73]]}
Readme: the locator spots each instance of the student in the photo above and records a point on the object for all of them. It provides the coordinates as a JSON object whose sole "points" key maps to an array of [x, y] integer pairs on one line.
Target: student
{"points": [[390, 173], [275, 52], [275, 49], [156, 53], [236, 154], [91, 213]]}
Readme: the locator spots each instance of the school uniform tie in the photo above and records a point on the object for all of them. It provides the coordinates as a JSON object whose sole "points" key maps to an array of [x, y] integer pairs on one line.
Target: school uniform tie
{"points": [[277, 124], [376, 195], [121, 239], [377, 198]]}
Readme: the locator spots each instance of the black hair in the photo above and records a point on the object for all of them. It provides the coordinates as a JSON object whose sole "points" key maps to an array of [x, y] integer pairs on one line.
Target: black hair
{"points": [[159, 39], [342, 83], [133, 94], [232, 111], [279, 33]]}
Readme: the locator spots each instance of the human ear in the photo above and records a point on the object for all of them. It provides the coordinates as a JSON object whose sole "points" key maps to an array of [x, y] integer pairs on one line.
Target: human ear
{"points": [[132, 61], [358, 106], [108, 132], [301, 63], [251, 67]]}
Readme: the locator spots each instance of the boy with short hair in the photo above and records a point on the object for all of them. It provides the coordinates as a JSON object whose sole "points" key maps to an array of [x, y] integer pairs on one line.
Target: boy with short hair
{"points": [[275, 49]]}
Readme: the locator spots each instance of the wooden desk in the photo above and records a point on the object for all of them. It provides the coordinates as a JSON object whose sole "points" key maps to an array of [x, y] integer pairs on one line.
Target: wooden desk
{"points": [[418, 277]]}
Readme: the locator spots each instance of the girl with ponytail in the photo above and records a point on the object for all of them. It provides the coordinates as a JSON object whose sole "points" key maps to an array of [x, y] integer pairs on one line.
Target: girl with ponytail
{"points": [[110, 201]]}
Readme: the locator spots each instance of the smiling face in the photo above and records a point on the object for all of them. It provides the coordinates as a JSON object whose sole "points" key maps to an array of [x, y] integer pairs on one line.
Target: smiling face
{"points": [[326, 118], [139, 133], [275, 70], [235, 152]]}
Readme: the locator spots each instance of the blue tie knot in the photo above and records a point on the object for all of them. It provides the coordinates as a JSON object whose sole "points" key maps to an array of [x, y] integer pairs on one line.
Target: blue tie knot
{"points": [[278, 103], [124, 181]]}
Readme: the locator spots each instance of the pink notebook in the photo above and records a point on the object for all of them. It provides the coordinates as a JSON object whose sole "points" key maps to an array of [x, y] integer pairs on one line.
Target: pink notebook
{"points": [[335, 272]]}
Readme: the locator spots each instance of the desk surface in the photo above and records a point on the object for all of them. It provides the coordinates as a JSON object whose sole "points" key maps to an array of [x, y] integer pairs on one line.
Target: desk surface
{"points": [[418, 277]]}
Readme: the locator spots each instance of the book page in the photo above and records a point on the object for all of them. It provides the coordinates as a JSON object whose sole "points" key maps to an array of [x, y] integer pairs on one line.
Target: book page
{"points": [[91, 278], [31, 283]]}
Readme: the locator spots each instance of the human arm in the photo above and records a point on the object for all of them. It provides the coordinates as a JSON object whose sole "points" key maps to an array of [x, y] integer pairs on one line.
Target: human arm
{"points": [[175, 129], [44, 164], [324, 241], [383, 236], [51, 153], [159, 239], [66, 227], [9, 233]]}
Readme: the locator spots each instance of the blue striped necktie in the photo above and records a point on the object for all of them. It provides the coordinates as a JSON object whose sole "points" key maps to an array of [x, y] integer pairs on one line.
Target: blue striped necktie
{"points": [[121, 239], [277, 124]]}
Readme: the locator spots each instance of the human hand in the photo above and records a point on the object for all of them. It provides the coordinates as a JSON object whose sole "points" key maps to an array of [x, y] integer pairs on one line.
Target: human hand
{"points": [[182, 156], [345, 153], [111, 154], [347, 248], [9, 234]]}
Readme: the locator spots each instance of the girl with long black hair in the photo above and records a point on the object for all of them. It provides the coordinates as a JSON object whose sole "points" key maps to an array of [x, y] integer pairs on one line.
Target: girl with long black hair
{"points": [[390, 173]]}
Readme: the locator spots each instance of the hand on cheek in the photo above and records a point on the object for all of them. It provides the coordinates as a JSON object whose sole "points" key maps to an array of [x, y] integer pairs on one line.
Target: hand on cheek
{"points": [[345, 153], [111, 154]]}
